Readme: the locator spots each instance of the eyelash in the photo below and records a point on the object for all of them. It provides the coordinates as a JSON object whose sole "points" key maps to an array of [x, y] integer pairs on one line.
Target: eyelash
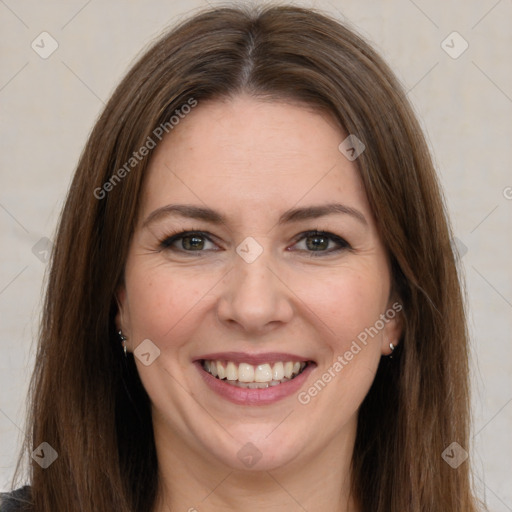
{"points": [[166, 243]]}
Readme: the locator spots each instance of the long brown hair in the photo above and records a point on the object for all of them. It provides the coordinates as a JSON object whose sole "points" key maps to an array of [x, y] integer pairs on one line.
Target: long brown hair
{"points": [[87, 400]]}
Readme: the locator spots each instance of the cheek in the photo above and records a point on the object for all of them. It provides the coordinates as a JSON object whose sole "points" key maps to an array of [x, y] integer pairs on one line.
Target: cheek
{"points": [[350, 304], [164, 307], [163, 303], [347, 302]]}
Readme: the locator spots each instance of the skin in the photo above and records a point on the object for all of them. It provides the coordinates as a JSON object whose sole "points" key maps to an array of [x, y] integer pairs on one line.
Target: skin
{"points": [[251, 160]]}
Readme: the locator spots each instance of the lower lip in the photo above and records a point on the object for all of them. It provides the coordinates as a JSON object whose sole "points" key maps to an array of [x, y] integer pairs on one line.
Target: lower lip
{"points": [[264, 396]]}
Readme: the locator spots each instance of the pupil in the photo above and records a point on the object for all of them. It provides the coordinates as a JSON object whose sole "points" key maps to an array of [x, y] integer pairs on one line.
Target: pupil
{"points": [[317, 242]]}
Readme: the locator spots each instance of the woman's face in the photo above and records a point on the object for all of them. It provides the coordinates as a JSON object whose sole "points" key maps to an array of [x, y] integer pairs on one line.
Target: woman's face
{"points": [[281, 270]]}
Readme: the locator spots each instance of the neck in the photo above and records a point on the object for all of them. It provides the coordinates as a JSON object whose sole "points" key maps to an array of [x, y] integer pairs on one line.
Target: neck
{"points": [[190, 481]]}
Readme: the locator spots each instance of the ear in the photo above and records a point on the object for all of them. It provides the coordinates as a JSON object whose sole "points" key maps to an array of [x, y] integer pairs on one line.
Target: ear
{"points": [[394, 326], [120, 319]]}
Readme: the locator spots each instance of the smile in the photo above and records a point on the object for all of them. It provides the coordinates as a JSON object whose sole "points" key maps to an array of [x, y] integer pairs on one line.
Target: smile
{"points": [[249, 376], [246, 378]]}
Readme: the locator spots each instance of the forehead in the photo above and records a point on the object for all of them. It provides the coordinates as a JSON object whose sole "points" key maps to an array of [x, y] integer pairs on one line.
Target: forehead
{"points": [[245, 154]]}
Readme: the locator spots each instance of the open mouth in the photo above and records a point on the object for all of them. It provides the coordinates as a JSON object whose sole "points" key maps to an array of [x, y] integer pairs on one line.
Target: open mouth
{"points": [[260, 376]]}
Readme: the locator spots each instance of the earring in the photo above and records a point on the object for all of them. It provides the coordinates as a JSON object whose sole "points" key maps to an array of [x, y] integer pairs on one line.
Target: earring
{"points": [[123, 341], [392, 347]]}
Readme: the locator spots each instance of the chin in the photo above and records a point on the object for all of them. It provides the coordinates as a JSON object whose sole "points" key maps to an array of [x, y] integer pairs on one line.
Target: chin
{"points": [[257, 448]]}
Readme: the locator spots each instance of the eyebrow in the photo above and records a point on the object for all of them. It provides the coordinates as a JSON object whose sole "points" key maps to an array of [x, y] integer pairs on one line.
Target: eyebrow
{"points": [[292, 215]]}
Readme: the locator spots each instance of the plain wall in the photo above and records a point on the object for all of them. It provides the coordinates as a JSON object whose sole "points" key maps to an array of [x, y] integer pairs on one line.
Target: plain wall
{"points": [[48, 106]]}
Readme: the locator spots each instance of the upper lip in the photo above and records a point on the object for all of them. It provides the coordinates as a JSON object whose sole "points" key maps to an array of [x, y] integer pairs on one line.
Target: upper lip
{"points": [[254, 359]]}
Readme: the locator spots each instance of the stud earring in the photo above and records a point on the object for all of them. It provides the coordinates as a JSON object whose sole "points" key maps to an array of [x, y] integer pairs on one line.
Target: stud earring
{"points": [[123, 341], [392, 347]]}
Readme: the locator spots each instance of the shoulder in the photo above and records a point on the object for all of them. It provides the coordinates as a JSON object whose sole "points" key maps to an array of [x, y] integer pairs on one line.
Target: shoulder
{"points": [[16, 501]]}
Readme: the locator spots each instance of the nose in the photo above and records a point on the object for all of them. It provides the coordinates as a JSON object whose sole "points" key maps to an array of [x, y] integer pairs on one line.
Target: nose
{"points": [[254, 299]]}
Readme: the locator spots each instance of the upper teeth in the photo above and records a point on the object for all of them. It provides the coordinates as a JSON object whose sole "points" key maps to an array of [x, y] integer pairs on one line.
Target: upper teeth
{"points": [[245, 372]]}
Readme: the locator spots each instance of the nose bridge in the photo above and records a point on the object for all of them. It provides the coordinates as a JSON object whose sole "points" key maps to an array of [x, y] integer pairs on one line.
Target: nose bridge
{"points": [[254, 277], [254, 297], [252, 261], [253, 282]]}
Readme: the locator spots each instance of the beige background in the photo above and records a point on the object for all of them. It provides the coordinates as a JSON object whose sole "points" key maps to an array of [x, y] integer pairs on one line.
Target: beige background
{"points": [[48, 106]]}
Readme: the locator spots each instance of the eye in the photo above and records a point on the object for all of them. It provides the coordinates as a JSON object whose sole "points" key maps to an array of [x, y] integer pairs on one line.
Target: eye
{"points": [[317, 243], [188, 241], [320, 242]]}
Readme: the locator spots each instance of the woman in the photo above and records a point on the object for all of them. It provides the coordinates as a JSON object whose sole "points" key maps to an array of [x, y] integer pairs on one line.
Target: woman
{"points": [[253, 303]]}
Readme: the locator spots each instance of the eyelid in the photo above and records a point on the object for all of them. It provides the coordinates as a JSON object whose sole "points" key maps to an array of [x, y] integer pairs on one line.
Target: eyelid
{"points": [[319, 232], [168, 240], [342, 243]]}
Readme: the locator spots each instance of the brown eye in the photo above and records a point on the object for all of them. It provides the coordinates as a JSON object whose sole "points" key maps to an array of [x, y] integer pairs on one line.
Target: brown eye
{"points": [[192, 242], [317, 242], [320, 243], [188, 241]]}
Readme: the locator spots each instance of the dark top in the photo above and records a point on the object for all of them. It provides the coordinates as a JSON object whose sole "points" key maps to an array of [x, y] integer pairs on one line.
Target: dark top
{"points": [[16, 501]]}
